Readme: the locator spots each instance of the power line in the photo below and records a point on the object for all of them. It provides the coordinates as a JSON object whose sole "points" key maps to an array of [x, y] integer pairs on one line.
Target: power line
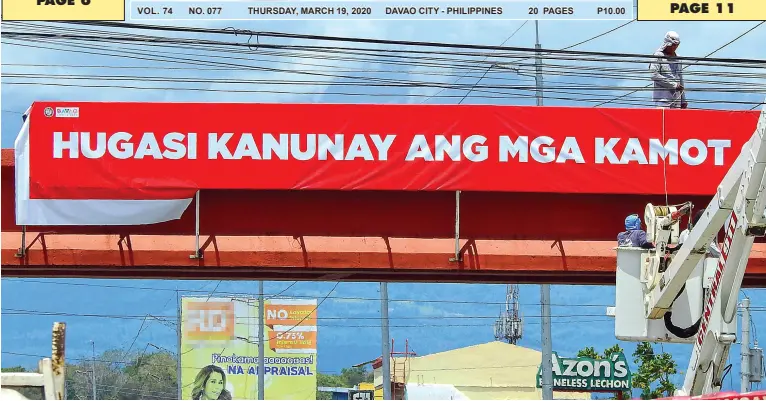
{"points": [[576, 97], [303, 92], [218, 43], [240, 295], [398, 84], [170, 319], [553, 69], [594, 37], [199, 367], [392, 42], [485, 59], [560, 91], [317, 54], [550, 54], [599, 35], [452, 60], [723, 86]]}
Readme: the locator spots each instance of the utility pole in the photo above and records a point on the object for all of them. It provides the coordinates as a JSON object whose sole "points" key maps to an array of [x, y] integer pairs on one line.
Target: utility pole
{"points": [[386, 349], [538, 67], [744, 347], [93, 370], [545, 289], [180, 351], [547, 373], [261, 343]]}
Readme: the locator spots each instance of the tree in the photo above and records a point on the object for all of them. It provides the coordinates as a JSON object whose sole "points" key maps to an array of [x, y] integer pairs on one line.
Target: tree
{"points": [[325, 380], [590, 352], [348, 377], [121, 376], [152, 377], [653, 368], [356, 375]]}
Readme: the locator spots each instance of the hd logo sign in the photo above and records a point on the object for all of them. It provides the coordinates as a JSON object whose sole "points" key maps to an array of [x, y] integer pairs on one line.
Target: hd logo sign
{"points": [[63, 10], [209, 321]]}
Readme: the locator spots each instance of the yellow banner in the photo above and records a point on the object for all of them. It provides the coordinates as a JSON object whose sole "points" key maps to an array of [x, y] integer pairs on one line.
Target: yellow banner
{"points": [[63, 10], [219, 349], [721, 10]]}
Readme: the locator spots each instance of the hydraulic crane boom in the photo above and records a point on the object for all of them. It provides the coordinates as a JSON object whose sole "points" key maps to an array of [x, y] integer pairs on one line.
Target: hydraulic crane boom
{"points": [[666, 273]]}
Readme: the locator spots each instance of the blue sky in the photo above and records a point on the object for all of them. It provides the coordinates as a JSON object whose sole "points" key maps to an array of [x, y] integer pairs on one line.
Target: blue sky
{"points": [[446, 324]]}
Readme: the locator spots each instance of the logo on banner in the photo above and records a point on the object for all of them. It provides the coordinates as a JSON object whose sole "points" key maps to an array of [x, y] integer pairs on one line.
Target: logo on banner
{"points": [[282, 314], [48, 112], [68, 112], [212, 321]]}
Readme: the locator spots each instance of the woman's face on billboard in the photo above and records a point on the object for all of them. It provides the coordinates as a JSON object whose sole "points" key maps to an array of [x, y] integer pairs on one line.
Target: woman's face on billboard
{"points": [[214, 386]]}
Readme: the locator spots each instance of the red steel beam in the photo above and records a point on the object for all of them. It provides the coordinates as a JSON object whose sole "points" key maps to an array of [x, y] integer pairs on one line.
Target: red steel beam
{"points": [[404, 214], [525, 238], [322, 258]]}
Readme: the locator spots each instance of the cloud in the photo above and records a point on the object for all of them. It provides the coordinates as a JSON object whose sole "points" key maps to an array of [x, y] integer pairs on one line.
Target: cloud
{"points": [[415, 309], [349, 301]]}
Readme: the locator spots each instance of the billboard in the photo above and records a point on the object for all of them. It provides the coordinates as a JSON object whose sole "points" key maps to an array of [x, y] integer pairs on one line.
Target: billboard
{"points": [[588, 374], [219, 348], [149, 166]]}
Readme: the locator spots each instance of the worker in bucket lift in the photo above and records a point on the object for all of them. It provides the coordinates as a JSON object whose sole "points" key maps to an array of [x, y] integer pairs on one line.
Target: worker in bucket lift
{"points": [[667, 74], [633, 235]]}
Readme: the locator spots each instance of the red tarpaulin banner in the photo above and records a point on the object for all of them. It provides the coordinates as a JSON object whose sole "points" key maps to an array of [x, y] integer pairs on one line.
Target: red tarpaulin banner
{"points": [[151, 158]]}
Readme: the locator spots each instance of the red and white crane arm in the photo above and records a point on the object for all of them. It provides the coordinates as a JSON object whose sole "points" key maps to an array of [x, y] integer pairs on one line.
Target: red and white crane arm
{"points": [[665, 273]]}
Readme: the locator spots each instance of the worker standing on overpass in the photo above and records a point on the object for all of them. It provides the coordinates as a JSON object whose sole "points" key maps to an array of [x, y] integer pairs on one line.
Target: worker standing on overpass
{"points": [[667, 74]]}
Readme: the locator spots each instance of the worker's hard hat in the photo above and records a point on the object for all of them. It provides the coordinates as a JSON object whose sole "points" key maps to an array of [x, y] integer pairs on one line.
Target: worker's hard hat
{"points": [[632, 222], [672, 37]]}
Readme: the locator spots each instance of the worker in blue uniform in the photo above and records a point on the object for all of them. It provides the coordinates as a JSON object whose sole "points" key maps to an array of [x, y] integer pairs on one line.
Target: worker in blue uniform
{"points": [[633, 235]]}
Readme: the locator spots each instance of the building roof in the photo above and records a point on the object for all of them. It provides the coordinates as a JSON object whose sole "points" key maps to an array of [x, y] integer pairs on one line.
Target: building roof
{"points": [[334, 389], [478, 371]]}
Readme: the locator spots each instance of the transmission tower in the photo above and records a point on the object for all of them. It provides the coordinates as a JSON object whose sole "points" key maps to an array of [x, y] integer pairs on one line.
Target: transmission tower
{"points": [[509, 326]]}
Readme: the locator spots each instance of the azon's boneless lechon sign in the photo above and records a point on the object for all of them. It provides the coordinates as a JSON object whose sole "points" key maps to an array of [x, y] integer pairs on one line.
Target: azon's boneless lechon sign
{"points": [[138, 163]]}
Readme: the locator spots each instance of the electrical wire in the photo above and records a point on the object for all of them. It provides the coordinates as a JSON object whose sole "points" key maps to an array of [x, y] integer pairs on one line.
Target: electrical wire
{"points": [[569, 55], [199, 367], [565, 98], [170, 319], [435, 325], [324, 50], [303, 92], [397, 84], [599, 35], [317, 55], [485, 59], [499, 95], [397, 42], [408, 300], [553, 70], [281, 292]]}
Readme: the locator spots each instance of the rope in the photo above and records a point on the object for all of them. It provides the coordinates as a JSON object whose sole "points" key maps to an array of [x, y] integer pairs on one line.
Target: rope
{"points": [[664, 161]]}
